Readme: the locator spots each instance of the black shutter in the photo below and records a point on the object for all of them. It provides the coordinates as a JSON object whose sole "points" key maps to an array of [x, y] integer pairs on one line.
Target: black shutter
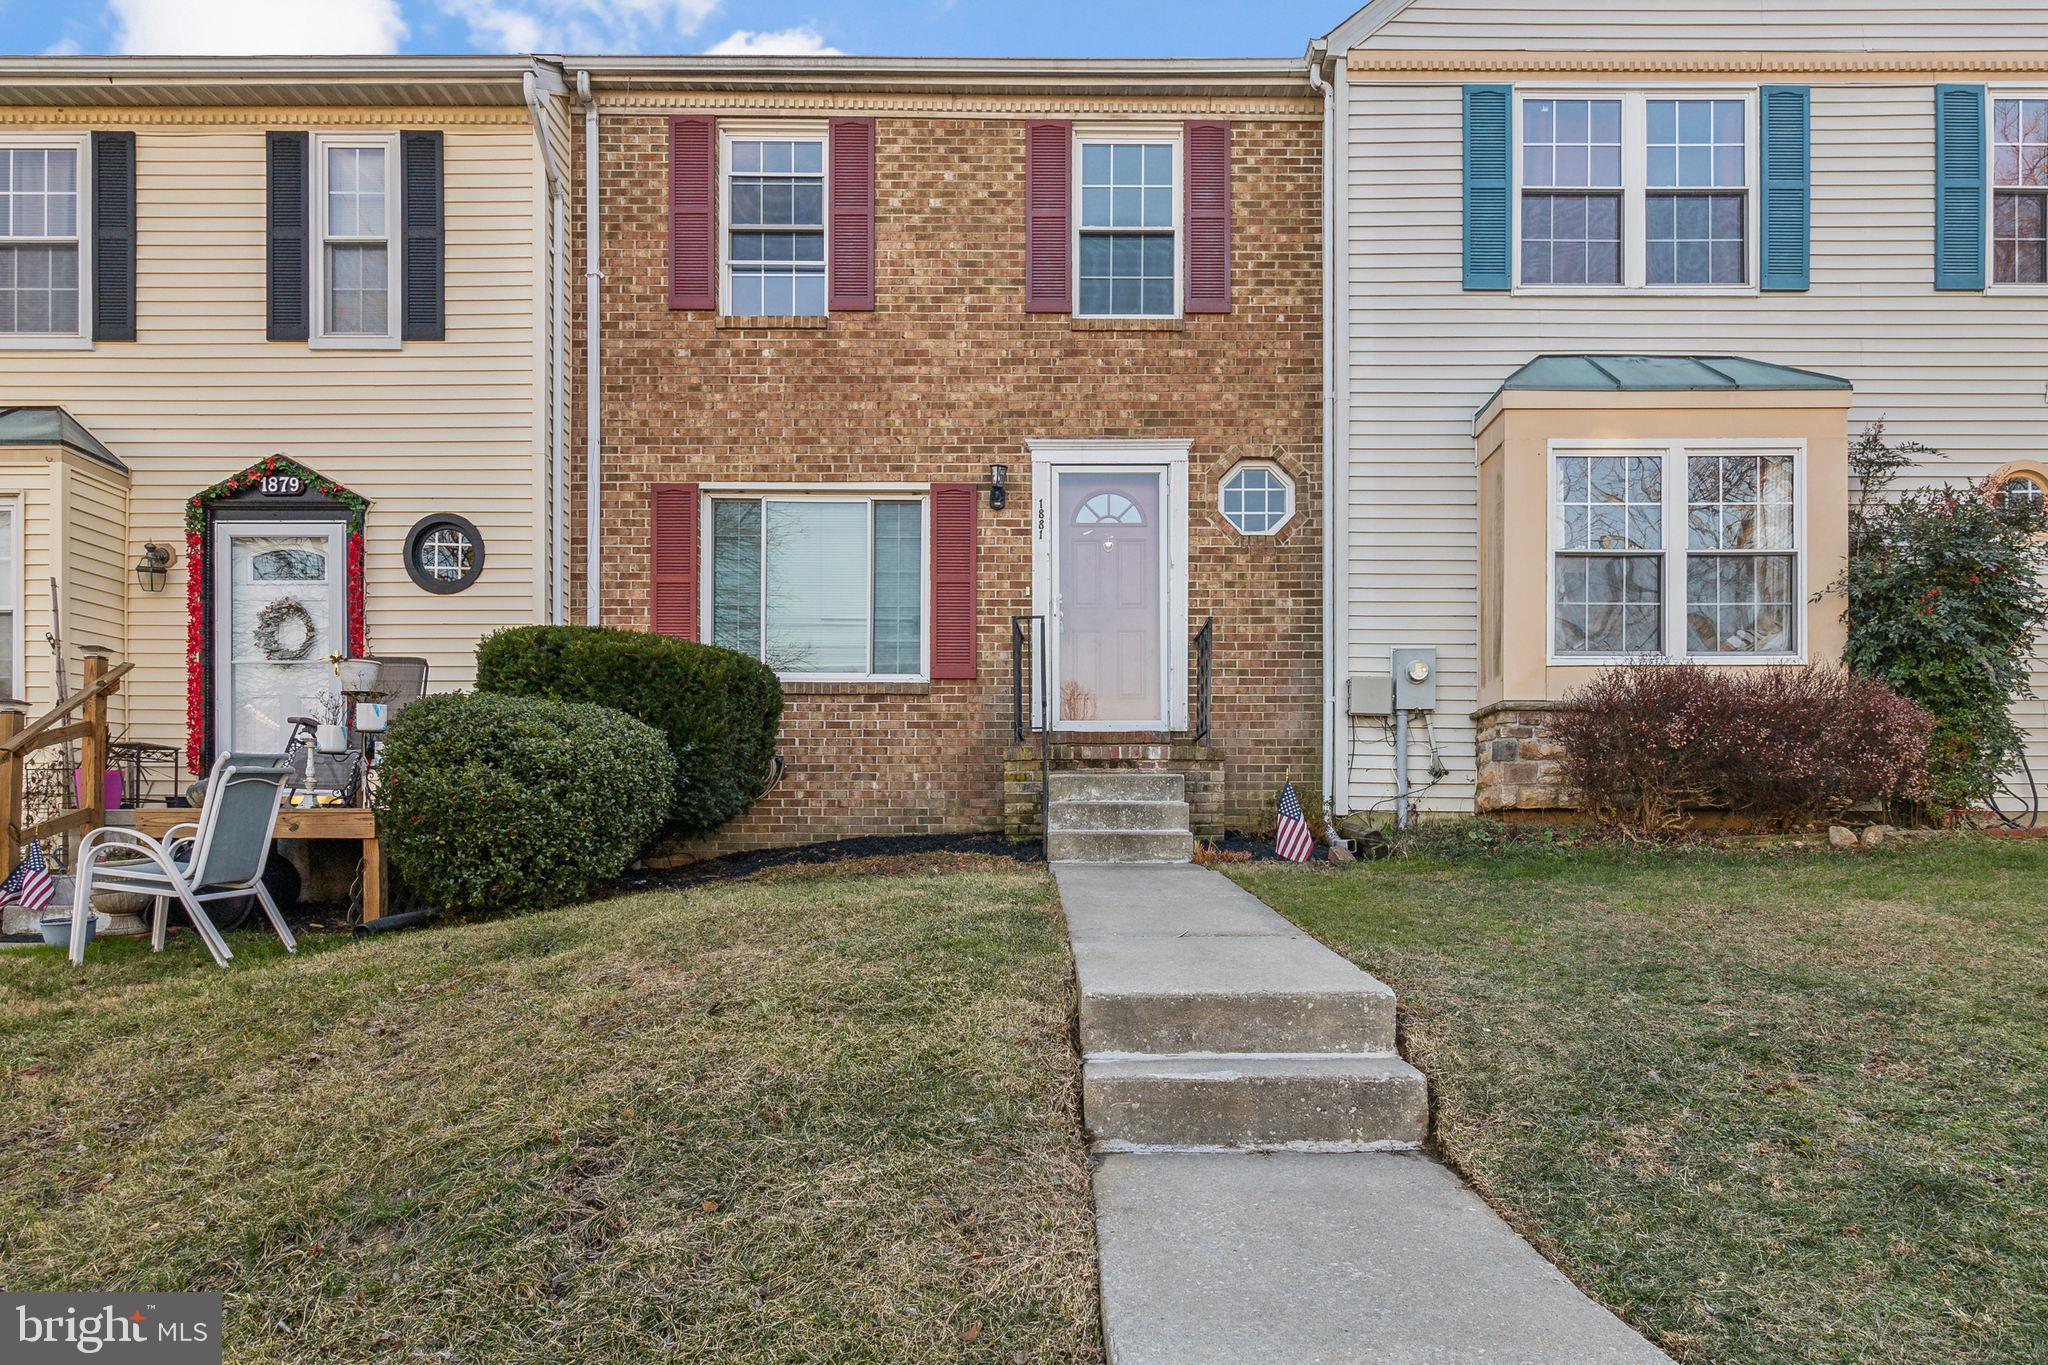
{"points": [[420, 163], [113, 236], [289, 220]]}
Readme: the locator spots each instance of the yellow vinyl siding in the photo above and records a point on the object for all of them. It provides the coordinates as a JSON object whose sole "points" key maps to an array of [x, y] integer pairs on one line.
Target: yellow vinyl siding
{"points": [[435, 426]]}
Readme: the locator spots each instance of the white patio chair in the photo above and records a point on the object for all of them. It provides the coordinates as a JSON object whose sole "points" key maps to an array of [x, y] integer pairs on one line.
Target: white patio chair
{"points": [[217, 857]]}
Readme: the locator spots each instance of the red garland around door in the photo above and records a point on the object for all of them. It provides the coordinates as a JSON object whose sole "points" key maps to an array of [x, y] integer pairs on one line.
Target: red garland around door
{"points": [[195, 579]]}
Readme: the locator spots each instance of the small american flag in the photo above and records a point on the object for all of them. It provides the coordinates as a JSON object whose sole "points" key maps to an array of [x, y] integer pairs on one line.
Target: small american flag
{"points": [[28, 886], [1292, 840]]}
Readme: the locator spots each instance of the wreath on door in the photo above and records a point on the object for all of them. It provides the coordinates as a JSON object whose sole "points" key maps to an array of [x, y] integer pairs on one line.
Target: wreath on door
{"points": [[272, 623], [196, 649]]}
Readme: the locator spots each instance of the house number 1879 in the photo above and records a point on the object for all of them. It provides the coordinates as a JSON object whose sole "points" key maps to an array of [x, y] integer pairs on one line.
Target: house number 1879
{"points": [[283, 485]]}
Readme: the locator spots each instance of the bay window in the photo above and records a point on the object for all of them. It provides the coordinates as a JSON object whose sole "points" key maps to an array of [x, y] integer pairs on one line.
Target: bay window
{"points": [[43, 210], [823, 585], [1637, 190], [1675, 552]]}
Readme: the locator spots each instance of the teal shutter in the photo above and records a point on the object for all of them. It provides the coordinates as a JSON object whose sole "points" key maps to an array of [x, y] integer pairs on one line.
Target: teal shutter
{"points": [[1959, 160], [1788, 186], [1488, 185]]}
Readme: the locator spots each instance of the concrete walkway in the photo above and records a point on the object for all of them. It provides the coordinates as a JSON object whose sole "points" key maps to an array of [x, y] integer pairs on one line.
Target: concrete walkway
{"points": [[1259, 1196]]}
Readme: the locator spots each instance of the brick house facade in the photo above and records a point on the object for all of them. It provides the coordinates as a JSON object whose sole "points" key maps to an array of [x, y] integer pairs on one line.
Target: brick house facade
{"points": [[947, 375]]}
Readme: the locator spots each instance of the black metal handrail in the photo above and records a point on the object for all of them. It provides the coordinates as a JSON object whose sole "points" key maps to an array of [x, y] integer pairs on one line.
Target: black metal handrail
{"points": [[1205, 649], [1027, 652]]}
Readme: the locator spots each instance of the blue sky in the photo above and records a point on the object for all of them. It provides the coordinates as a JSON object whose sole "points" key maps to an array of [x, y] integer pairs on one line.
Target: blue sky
{"points": [[1046, 28]]}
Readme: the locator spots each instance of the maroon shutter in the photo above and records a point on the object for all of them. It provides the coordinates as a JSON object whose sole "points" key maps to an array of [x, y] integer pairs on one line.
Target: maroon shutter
{"points": [[850, 257], [673, 610], [1208, 213], [692, 211], [953, 605], [1048, 211]]}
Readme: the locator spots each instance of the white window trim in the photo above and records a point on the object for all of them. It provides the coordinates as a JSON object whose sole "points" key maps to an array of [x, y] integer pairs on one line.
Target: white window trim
{"points": [[11, 592], [1992, 95], [1151, 133], [1635, 187], [864, 493], [1286, 481], [784, 130], [81, 340], [1674, 553], [394, 244]]}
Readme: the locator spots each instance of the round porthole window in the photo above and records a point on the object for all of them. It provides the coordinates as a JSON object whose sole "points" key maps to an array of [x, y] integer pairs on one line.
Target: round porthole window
{"points": [[1258, 499], [444, 553]]}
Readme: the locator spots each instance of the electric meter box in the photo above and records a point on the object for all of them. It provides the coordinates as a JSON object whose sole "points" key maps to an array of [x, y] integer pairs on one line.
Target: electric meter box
{"points": [[1415, 680]]}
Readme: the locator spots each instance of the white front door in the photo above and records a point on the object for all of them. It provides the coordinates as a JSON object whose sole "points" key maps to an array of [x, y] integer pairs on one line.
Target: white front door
{"points": [[280, 607]]}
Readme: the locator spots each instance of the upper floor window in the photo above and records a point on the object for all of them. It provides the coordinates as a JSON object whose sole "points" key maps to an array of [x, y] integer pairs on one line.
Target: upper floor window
{"points": [[1641, 191], [2019, 191], [1128, 253], [42, 240], [1257, 499], [775, 220], [355, 200], [1670, 552]]}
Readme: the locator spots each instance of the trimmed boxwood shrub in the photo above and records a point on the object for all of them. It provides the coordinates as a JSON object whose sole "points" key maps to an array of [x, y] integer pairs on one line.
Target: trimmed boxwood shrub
{"points": [[1644, 746], [720, 709], [492, 804]]}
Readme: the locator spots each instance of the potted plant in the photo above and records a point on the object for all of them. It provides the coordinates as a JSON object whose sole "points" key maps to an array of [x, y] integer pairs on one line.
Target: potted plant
{"points": [[330, 736]]}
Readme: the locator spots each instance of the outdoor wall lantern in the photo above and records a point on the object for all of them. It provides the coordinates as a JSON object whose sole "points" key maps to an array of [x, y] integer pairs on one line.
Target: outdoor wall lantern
{"points": [[154, 567], [998, 486]]}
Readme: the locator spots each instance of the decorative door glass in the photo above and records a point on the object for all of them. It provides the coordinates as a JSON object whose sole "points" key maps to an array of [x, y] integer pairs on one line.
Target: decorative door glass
{"points": [[281, 617], [1109, 553]]}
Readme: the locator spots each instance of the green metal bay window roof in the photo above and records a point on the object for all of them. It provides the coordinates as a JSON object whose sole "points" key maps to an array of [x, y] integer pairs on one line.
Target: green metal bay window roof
{"points": [[52, 427], [1660, 374]]}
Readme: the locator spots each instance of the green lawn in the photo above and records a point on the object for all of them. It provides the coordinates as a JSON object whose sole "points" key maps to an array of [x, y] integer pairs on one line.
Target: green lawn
{"points": [[1768, 1106], [809, 1116]]}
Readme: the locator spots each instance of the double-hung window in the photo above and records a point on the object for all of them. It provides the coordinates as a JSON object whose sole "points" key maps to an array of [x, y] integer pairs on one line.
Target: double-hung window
{"points": [[775, 225], [2019, 191], [820, 584], [43, 211], [10, 595], [1675, 551], [355, 207], [1128, 257], [1638, 190]]}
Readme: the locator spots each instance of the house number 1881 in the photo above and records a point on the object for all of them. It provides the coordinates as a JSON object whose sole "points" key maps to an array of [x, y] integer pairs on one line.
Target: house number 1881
{"points": [[283, 485]]}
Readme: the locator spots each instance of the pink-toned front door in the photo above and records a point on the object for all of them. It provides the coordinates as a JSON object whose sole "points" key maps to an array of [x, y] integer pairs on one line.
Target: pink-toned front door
{"points": [[1108, 584]]}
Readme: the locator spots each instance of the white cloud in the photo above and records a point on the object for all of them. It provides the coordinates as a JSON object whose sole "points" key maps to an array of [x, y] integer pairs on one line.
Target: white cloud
{"points": [[801, 41], [579, 25], [243, 27]]}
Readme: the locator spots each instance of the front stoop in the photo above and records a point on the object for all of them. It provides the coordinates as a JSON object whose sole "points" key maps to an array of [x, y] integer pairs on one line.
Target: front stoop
{"points": [[1119, 816]]}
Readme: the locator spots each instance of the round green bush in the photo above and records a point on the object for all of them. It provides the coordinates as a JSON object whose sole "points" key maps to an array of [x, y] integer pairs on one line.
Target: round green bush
{"points": [[495, 804], [720, 709]]}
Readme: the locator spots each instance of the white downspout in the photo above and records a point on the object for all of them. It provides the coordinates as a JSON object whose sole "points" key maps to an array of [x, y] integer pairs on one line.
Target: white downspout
{"points": [[1336, 783], [554, 251], [591, 367]]}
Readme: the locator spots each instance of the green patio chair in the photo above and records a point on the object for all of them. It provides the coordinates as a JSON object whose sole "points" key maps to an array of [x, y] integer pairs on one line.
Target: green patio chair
{"points": [[218, 857]]}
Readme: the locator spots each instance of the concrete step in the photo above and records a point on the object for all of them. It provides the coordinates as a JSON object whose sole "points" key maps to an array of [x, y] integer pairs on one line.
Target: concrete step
{"points": [[1094, 815], [1118, 784], [1254, 1101], [1266, 993], [1119, 846]]}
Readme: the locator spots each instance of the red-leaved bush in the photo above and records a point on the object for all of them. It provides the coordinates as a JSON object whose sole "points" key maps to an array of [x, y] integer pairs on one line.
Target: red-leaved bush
{"points": [[1645, 745]]}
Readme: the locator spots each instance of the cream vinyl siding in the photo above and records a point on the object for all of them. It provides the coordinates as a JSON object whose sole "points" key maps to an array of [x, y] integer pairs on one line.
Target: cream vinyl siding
{"points": [[431, 426], [1965, 373], [1697, 26], [70, 509]]}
